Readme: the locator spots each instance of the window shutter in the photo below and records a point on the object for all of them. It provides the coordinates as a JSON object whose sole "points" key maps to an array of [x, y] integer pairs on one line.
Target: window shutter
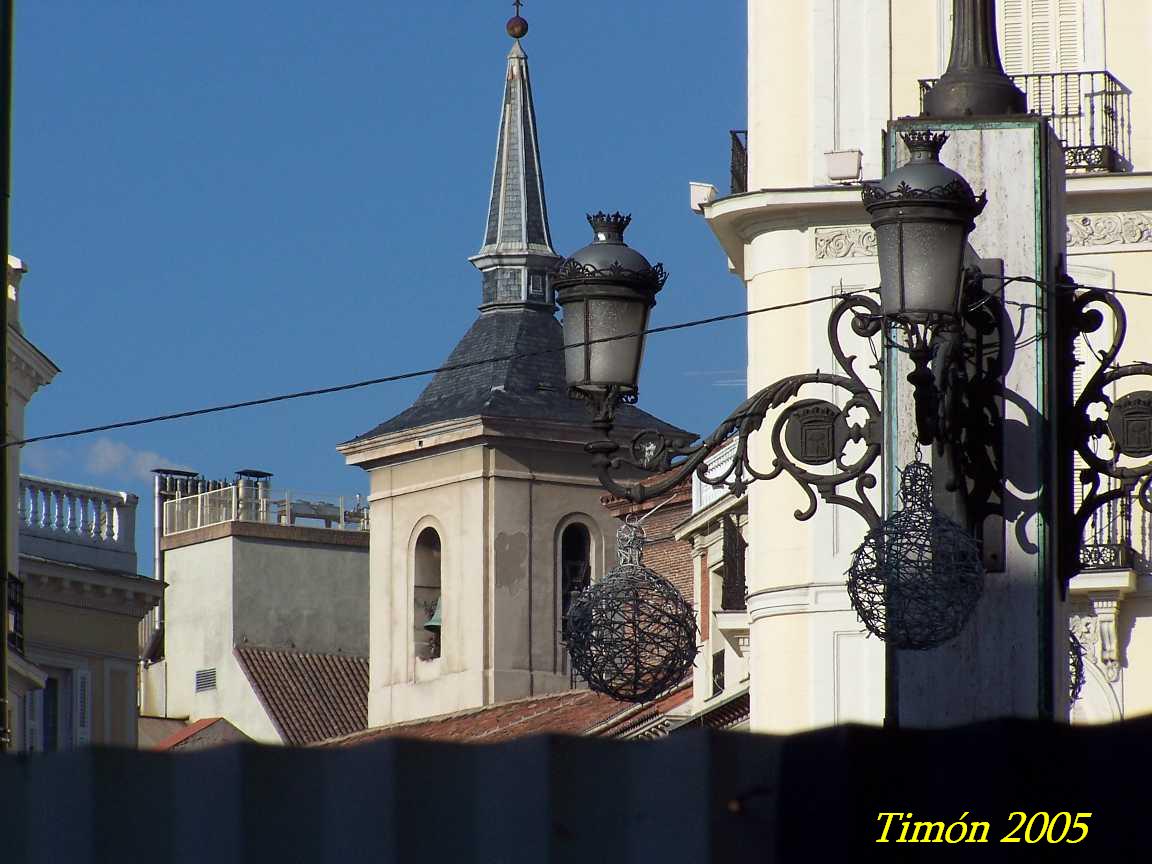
{"points": [[33, 703], [83, 710], [1013, 45], [1041, 21], [1069, 36], [1041, 36]]}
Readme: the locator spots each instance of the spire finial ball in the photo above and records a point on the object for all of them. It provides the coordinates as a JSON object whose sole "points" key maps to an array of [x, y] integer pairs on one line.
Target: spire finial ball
{"points": [[517, 27]]}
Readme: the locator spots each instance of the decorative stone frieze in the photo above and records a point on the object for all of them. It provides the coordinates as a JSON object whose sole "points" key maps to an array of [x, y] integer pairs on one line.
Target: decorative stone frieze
{"points": [[1097, 633], [1110, 229], [847, 242]]}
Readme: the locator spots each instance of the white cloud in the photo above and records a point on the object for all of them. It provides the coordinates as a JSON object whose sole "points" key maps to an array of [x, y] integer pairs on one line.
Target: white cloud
{"points": [[720, 377], [108, 457]]}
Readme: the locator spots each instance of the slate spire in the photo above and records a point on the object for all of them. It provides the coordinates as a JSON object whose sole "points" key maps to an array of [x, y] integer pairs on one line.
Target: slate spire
{"points": [[517, 257], [517, 316]]}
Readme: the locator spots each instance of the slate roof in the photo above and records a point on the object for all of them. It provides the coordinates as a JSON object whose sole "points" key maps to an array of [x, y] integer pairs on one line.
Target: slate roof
{"points": [[530, 388], [309, 697], [517, 209], [573, 712]]}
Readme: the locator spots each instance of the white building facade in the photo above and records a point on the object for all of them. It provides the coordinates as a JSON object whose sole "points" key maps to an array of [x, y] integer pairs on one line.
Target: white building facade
{"points": [[825, 77]]}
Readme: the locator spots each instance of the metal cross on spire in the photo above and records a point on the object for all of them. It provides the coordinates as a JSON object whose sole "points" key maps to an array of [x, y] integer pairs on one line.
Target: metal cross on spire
{"points": [[517, 26]]}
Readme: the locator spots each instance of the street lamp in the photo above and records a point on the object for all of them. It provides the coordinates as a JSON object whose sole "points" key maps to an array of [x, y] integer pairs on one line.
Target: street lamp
{"points": [[922, 213], [607, 290]]}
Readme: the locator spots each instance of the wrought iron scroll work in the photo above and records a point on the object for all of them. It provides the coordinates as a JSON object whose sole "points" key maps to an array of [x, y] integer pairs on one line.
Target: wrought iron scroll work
{"points": [[827, 428], [1104, 479]]}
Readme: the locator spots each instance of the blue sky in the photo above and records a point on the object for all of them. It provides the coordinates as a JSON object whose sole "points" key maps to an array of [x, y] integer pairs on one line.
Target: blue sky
{"points": [[221, 201]]}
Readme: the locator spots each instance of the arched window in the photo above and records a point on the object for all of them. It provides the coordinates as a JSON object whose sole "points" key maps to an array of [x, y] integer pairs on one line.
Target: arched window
{"points": [[427, 611], [575, 568]]}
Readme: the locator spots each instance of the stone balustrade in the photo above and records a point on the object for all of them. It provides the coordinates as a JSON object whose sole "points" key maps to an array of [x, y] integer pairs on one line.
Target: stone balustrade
{"points": [[79, 524], [704, 495]]}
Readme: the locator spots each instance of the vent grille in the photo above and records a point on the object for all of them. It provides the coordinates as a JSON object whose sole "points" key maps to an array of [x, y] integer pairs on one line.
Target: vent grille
{"points": [[205, 680]]}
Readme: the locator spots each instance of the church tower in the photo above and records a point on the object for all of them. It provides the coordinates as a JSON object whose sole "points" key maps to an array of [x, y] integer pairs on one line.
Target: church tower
{"points": [[485, 510]]}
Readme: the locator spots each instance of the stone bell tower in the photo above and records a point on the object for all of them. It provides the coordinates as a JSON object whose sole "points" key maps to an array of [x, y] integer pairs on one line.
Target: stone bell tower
{"points": [[485, 510]]}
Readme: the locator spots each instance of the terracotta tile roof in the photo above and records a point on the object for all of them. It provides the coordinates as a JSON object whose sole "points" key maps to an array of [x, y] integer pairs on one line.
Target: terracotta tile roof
{"points": [[184, 734], [574, 712], [727, 714], [310, 697], [205, 733]]}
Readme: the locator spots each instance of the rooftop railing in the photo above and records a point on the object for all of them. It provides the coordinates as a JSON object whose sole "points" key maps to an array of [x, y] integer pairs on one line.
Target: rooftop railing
{"points": [[83, 515], [703, 495], [739, 160], [256, 503], [78, 524], [1089, 111]]}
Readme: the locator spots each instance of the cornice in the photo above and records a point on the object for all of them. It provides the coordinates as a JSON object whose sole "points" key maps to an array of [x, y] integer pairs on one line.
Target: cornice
{"points": [[305, 534], [806, 599], [54, 582], [738, 219], [699, 521], [437, 438], [30, 369], [1104, 210]]}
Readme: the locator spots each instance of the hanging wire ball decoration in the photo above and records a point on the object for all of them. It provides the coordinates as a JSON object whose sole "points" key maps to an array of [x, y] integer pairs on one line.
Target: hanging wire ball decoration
{"points": [[631, 635], [918, 576], [1075, 668]]}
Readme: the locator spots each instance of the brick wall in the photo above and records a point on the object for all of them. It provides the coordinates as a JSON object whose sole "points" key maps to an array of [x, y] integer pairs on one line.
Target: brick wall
{"points": [[671, 558]]}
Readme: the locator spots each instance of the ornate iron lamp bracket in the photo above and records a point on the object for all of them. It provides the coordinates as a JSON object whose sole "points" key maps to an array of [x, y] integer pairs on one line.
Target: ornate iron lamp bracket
{"points": [[1123, 425], [806, 434]]}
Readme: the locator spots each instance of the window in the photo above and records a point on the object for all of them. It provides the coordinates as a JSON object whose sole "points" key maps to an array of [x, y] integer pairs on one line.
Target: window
{"points": [[733, 596], [427, 610], [575, 568], [1038, 36], [59, 717], [717, 673]]}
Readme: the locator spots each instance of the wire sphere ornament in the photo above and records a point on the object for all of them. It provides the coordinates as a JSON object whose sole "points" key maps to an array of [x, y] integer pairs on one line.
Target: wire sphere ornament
{"points": [[631, 635], [918, 576]]}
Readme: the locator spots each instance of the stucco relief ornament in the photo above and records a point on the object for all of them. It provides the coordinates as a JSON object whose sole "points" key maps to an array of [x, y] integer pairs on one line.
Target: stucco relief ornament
{"points": [[918, 576], [1110, 229], [631, 635], [851, 242]]}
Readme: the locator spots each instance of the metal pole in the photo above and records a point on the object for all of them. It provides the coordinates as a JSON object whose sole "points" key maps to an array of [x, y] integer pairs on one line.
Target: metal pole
{"points": [[5, 194], [975, 83]]}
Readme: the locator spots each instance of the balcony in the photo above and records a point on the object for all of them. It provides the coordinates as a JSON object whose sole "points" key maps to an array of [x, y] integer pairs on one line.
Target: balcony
{"points": [[15, 614], [1089, 112], [250, 502], [1112, 541], [76, 524], [739, 160]]}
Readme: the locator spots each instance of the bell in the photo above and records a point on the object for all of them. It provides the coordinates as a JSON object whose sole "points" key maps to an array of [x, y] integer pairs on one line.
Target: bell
{"points": [[432, 625]]}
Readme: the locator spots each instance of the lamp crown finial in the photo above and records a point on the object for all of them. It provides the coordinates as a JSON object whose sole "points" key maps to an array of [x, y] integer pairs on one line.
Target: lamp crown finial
{"points": [[924, 143], [609, 227]]}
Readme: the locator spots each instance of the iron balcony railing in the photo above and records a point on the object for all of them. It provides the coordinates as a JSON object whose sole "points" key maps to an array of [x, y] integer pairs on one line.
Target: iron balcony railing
{"points": [[1089, 111], [1118, 537], [15, 613], [739, 160], [734, 590]]}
